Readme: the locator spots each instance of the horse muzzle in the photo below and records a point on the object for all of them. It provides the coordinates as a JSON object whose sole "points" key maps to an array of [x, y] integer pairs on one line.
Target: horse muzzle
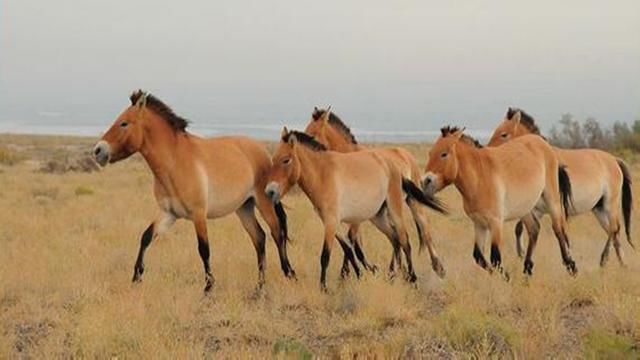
{"points": [[273, 192], [102, 152], [430, 183]]}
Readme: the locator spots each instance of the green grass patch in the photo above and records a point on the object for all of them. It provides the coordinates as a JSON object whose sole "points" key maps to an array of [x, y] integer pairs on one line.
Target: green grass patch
{"points": [[291, 348], [602, 344], [477, 334], [83, 190]]}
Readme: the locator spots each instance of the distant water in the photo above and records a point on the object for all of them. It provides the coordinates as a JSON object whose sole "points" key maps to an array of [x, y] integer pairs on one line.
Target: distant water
{"points": [[259, 131]]}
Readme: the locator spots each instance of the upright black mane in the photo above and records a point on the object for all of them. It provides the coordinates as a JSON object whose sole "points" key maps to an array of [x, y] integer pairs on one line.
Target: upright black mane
{"points": [[178, 123], [305, 139], [525, 119], [449, 130], [337, 122]]}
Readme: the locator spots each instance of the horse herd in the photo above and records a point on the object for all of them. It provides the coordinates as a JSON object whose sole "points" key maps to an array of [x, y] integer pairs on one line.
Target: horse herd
{"points": [[518, 176]]}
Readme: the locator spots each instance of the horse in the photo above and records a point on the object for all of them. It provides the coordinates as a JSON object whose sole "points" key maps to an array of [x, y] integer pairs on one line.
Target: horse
{"points": [[196, 179], [328, 129], [345, 188], [601, 183], [499, 184]]}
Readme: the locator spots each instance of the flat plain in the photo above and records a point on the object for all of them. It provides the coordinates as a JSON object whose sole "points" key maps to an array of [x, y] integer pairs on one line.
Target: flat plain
{"points": [[68, 242]]}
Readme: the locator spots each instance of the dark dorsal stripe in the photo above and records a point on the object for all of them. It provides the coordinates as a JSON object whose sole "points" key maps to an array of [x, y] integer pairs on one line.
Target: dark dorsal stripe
{"points": [[178, 123], [304, 139], [449, 130], [337, 123], [525, 119]]}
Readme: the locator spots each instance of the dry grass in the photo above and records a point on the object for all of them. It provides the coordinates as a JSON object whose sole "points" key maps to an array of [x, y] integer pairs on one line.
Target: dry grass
{"points": [[68, 243]]}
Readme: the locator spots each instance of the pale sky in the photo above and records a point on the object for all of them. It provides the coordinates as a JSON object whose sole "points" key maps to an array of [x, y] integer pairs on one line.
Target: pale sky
{"points": [[399, 65]]}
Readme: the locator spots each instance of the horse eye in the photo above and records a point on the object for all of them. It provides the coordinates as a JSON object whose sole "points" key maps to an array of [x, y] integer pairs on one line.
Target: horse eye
{"points": [[444, 155], [504, 135], [124, 124], [286, 161]]}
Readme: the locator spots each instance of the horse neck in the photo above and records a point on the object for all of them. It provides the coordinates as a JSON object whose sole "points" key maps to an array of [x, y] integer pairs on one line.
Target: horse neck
{"points": [[160, 148], [470, 167], [338, 142], [311, 172]]}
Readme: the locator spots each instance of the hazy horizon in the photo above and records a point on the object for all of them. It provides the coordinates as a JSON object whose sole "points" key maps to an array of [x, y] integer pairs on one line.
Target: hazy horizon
{"points": [[383, 66]]}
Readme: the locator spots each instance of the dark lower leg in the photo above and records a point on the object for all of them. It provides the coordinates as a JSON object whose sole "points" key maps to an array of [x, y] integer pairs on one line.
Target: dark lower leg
{"points": [[359, 253], [411, 275], [479, 258], [324, 262], [203, 249], [138, 269], [604, 257], [518, 231], [348, 254], [564, 252]]}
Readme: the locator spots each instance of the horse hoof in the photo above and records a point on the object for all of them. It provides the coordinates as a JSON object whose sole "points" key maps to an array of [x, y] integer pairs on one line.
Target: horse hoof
{"points": [[373, 269], [436, 265], [412, 278], [528, 267], [572, 268], [292, 275]]}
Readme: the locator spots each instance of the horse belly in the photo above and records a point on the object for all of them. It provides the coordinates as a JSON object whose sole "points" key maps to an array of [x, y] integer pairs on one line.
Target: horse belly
{"points": [[522, 200], [586, 192], [355, 208]]}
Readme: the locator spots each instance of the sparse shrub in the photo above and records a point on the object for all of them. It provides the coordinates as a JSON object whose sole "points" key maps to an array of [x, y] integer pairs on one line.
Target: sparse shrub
{"points": [[9, 157], [291, 348], [51, 193], [66, 164], [481, 334], [601, 344], [83, 190]]}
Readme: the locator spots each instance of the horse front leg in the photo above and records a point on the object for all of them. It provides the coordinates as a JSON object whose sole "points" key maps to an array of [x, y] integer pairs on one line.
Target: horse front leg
{"points": [[496, 242], [200, 223], [329, 235], [156, 228], [481, 234]]}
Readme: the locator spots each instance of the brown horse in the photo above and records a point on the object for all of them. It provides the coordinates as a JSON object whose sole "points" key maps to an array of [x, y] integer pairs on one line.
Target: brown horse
{"points": [[196, 178], [501, 183], [332, 132], [601, 183], [350, 188]]}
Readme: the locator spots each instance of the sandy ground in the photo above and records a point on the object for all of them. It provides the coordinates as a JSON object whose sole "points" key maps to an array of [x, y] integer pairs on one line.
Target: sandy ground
{"points": [[68, 242]]}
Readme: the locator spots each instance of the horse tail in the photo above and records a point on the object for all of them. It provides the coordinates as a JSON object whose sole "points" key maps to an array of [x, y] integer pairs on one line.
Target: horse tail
{"points": [[427, 200], [282, 221], [565, 189], [627, 199]]}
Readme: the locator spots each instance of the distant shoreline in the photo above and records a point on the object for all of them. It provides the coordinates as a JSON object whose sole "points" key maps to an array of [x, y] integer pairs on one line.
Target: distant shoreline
{"points": [[261, 132]]}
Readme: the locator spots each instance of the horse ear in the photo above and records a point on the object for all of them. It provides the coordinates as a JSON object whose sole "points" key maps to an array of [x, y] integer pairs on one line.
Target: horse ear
{"points": [[284, 132], [142, 100], [327, 115], [516, 118], [292, 139], [458, 134]]}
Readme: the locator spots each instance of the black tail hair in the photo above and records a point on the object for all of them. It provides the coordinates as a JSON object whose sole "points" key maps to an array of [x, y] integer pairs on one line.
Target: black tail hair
{"points": [[627, 199], [428, 200], [565, 190], [282, 221]]}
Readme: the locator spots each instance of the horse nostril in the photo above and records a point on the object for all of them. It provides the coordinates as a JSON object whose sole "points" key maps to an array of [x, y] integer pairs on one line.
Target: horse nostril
{"points": [[427, 181], [96, 151]]}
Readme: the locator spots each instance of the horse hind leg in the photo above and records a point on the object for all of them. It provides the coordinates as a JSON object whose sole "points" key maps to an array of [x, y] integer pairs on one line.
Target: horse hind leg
{"points": [[420, 218], [354, 238], [348, 256], [268, 213], [248, 219], [558, 222], [518, 234], [382, 223], [395, 202], [603, 219], [533, 228]]}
